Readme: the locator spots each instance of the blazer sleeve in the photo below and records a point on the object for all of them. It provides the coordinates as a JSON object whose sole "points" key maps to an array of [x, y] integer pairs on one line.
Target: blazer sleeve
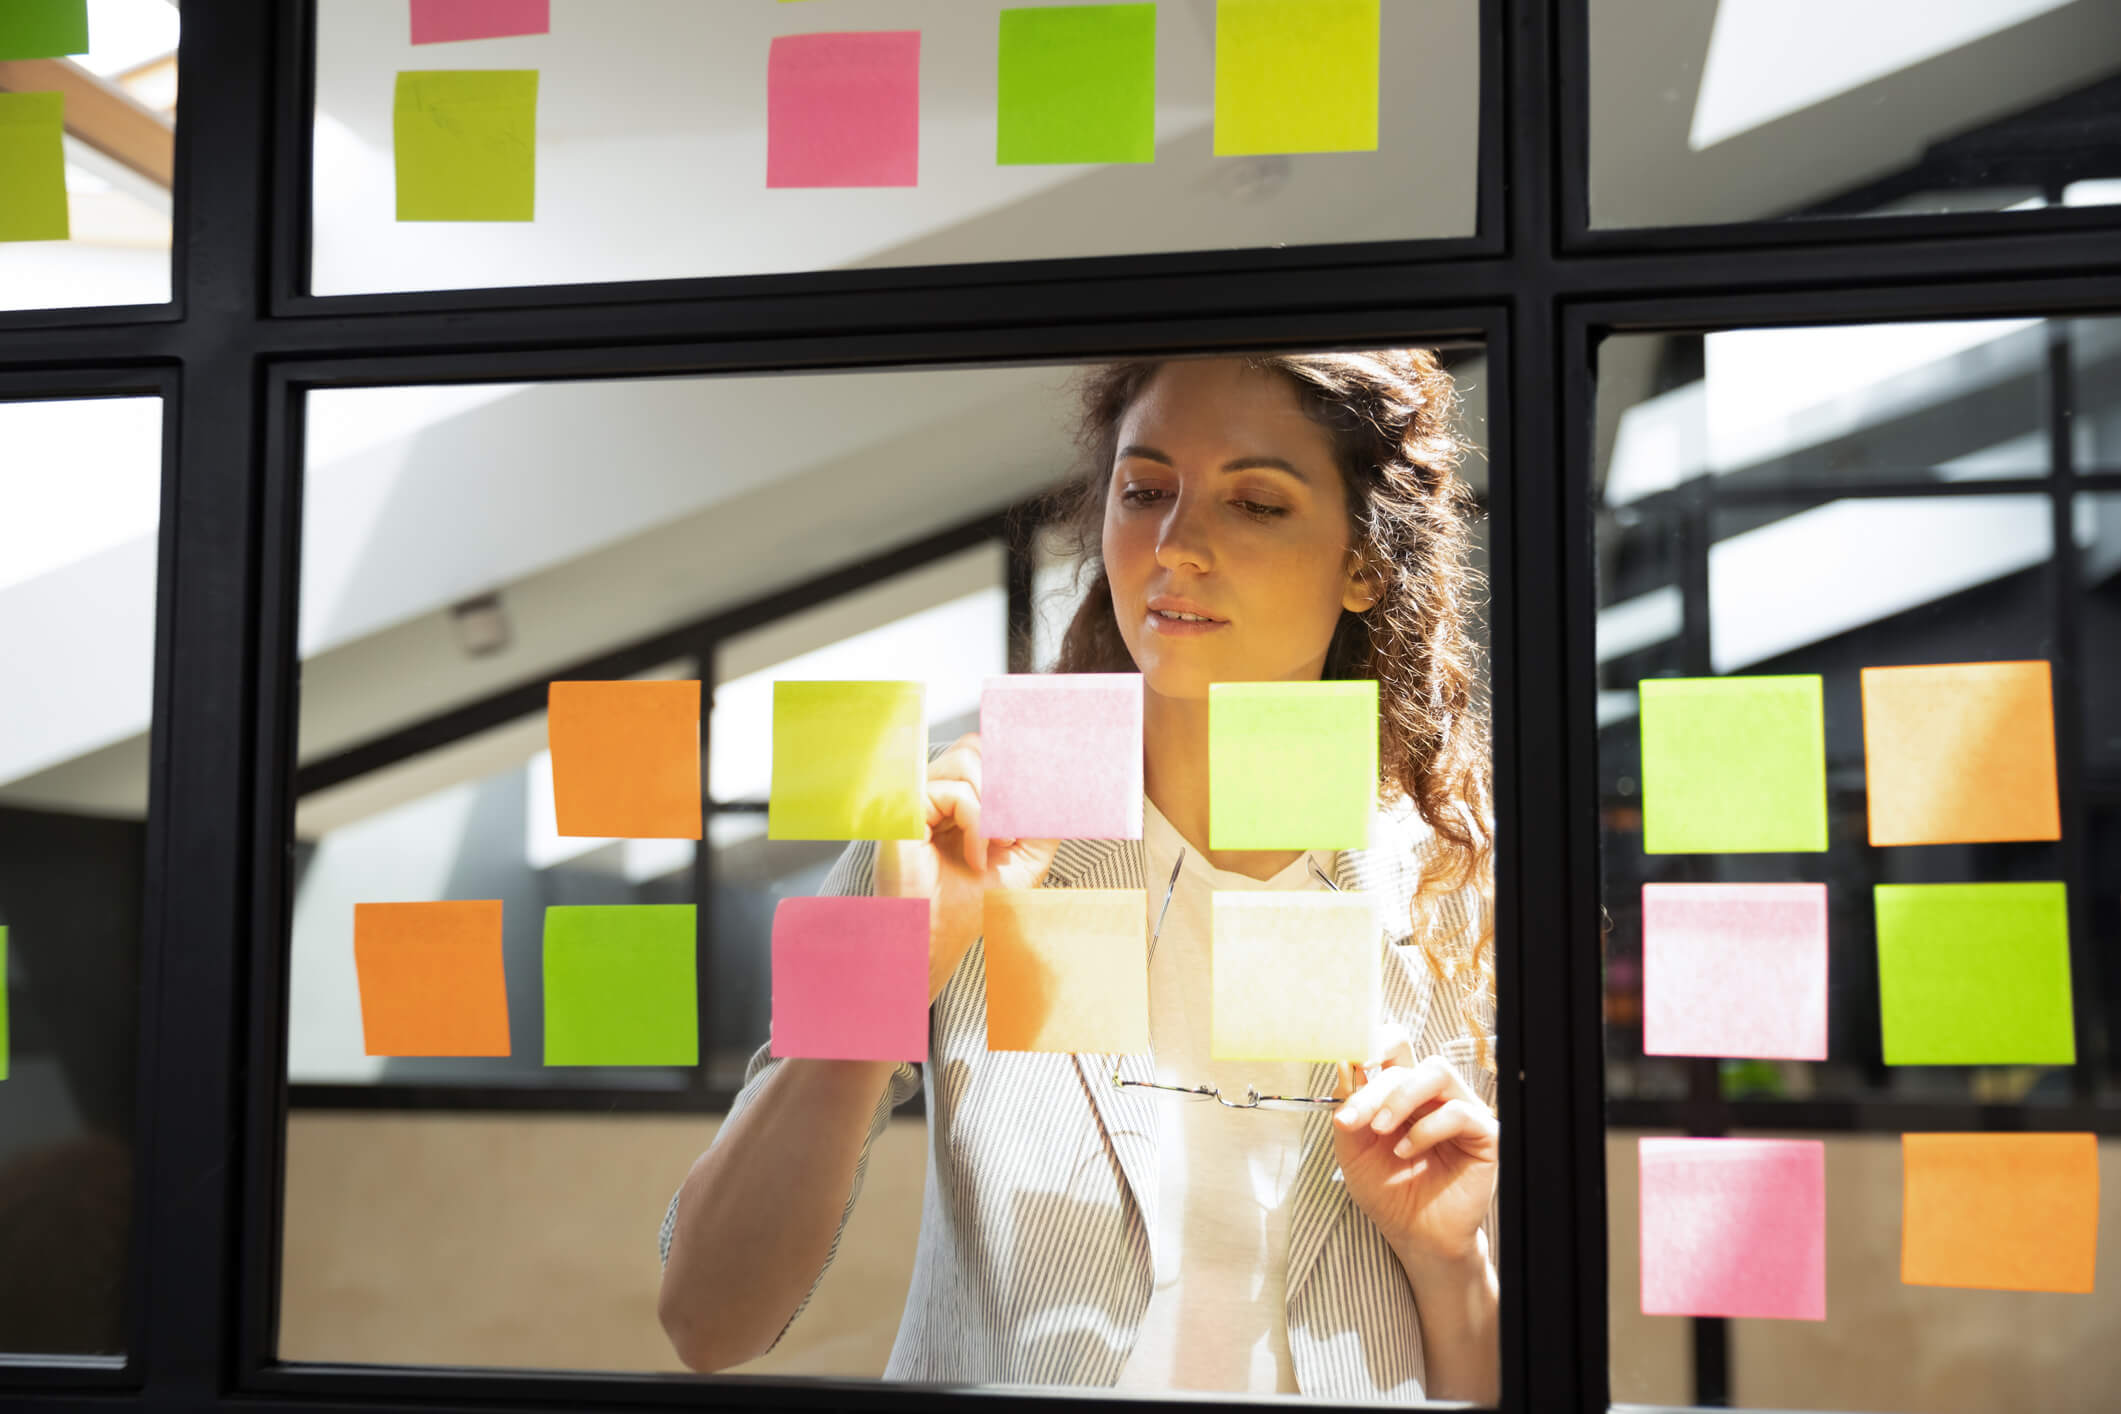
{"points": [[1460, 1022], [854, 874]]}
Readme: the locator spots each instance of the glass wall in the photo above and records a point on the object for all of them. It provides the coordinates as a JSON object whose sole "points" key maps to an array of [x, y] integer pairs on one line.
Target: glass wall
{"points": [[654, 139], [1814, 547], [78, 557], [1746, 110], [88, 112]]}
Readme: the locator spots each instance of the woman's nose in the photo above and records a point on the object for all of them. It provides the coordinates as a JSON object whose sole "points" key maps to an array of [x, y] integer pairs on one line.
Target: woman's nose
{"points": [[1181, 539]]}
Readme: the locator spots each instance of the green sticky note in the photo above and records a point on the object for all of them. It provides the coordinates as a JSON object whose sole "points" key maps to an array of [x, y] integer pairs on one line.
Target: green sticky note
{"points": [[1077, 83], [1295, 76], [43, 29], [32, 167], [1733, 765], [1291, 765], [619, 985], [466, 144], [849, 762], [1974, 974], [3, 1003]]}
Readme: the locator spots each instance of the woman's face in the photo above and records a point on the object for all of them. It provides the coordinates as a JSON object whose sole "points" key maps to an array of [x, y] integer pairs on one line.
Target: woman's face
{"points": [[1225, 501]]}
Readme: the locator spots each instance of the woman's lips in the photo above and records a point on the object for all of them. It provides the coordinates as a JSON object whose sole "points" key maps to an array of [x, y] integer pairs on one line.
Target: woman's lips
{"points": [[1183, 628]]}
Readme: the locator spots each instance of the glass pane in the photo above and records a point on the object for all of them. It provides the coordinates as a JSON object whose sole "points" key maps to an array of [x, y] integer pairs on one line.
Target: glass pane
{"points": [[77, 637], [1737, 112], [653, 159], [2098, 521], [1742, 570], [456, 560], [89, 116]]}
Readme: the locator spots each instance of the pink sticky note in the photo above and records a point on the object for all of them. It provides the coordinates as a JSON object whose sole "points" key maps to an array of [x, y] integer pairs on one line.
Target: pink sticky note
{"points": [[843, 110], [1061, 756], [1734, 1227], [440, 21], [850, 978], [1734, 970]]}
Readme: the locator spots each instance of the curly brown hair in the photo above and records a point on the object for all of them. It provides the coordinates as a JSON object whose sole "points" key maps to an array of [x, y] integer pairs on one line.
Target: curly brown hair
{"points": [[1392, 417]]}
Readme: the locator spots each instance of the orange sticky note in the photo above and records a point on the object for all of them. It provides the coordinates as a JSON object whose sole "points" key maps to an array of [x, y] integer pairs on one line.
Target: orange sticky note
{"points": [[626, 759], [2010, 1212], [432, 980], [1067, 970], [1960, 753]]}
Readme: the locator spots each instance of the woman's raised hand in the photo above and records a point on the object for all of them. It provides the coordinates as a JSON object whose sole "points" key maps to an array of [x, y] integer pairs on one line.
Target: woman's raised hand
{"points": [[955, 866]]}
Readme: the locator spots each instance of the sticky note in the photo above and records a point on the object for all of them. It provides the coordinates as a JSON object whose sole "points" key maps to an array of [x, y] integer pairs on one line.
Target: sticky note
{"points": [[1061, 756], [1734, 970], [32, 167], [1067, 969], [432, 978], [466, 143], [2010, 1212], [1733, 1227], [620, 985], [849, 762], [1076, 83], [1296, 76], [1296, 976], [1960, 753], [3, 1003], [440, 21], [43, 29], [843, 110], [625, 759], [1974, 974], [1733, 765], [850, 978], [1291, 765]]}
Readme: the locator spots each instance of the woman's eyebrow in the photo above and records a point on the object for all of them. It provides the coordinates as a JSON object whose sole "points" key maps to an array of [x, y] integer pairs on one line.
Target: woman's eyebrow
{"points": [[1135, 449]]}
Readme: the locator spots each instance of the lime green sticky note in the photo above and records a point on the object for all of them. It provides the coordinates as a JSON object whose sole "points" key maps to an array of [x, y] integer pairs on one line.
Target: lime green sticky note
{"points": [[849, 762], [466, 144], [1295, 76], [32, 167], [1291, 765], [1733, 765], [1077, 83], [3, 1003], [619, 985], [43, 29], [1974, 974]]}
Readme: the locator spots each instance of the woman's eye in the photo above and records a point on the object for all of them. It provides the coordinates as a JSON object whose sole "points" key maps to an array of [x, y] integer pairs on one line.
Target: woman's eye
{"points": [[1134, 496], [1264, 512]]}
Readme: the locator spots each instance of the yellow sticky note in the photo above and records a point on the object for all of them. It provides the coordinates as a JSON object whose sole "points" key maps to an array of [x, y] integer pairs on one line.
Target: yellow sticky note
{"points": [[1297, 976], [850, 760], [1296, 76], [466, 143], [1960, 753], [1067, 969]]}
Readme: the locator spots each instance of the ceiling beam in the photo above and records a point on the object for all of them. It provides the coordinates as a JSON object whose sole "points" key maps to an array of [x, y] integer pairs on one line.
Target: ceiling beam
{"points": [[100, 114]]}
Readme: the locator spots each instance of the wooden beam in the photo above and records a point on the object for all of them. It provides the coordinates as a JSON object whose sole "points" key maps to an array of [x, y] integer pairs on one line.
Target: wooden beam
{"points": [[100, 114]]}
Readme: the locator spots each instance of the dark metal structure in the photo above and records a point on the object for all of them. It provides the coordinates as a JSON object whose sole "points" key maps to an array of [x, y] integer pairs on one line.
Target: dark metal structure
{"points": [[233, 353]]}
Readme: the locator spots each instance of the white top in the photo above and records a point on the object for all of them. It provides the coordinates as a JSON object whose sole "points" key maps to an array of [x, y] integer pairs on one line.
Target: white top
{"points": [[1216, 1317]]}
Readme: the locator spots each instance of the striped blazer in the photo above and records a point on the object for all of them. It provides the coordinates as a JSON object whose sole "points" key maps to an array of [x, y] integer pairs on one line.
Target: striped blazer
{"points": [[1034, 1264]]}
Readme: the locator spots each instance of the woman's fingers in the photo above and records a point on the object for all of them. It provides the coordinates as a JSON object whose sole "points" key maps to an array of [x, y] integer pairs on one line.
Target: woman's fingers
{"points": [[1451, 1120], [1387, 1100], [958, 801]]}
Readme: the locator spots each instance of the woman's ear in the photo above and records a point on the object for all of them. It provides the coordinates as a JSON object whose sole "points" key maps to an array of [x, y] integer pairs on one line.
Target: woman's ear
{"points": [[1365, 586]]}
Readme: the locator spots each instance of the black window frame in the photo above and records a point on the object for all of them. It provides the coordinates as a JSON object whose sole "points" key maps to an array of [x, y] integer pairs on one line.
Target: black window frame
{"points": [[240, 339]]}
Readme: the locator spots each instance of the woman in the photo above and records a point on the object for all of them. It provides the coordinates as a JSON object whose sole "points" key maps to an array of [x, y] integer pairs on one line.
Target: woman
{"points": [[1245, 519]]}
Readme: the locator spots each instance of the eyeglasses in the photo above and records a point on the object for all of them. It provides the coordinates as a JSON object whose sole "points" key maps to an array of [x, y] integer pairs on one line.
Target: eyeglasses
{"points": [[1253, 1100]]}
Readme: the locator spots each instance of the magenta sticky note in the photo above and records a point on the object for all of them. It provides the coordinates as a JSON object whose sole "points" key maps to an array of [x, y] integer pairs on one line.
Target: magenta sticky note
{"points": [[1734, 1227], [1061, 756], [850, 978], [844, 110], [1734, 970], [440, 21]]}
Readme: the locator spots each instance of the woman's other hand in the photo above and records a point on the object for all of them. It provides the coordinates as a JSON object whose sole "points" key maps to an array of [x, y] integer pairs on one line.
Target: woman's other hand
{"points": [[1418, 1150], [955, 866]]}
